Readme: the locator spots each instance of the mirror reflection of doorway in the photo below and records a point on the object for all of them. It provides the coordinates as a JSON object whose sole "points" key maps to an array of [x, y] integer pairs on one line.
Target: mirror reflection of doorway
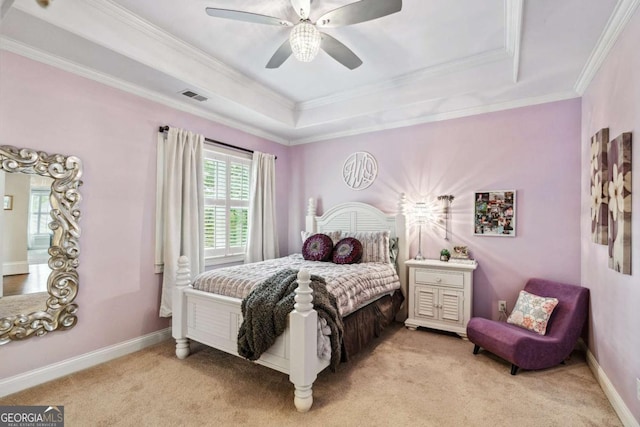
{"points": [[28, 237]]}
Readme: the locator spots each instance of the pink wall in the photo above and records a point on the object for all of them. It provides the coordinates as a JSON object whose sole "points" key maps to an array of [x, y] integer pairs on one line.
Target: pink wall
{"points": [[613, 100], [114, 134], [534, 150]]}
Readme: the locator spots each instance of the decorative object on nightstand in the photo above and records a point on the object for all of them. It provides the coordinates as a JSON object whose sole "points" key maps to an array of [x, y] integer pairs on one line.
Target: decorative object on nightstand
{"points": [[446, 212], [445, 255], [440, 295], [461, 255], [460, 252], [421, 215]]}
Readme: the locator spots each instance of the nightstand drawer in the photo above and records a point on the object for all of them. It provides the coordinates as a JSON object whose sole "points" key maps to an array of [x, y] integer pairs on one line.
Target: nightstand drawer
{"points": [[438, 277]]}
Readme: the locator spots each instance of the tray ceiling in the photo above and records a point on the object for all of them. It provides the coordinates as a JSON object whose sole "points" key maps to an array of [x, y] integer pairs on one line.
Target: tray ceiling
{"points": [[433, 60]]}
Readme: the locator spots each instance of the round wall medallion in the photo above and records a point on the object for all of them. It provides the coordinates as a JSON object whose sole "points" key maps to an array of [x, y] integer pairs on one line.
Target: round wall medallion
{"points": [[360, 170]]}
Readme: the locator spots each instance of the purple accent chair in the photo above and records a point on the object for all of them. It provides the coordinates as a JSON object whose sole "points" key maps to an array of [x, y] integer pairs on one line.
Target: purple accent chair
{"points": [[526, 349]]}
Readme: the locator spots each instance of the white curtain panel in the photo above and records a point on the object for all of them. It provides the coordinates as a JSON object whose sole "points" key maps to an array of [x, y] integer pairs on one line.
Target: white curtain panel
{"points": [[182, 212], [262, 240]]}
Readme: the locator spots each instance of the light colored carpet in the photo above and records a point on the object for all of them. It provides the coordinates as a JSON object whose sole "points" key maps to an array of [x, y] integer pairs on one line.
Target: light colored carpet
{"points": [[407, 378], [23, 304]]}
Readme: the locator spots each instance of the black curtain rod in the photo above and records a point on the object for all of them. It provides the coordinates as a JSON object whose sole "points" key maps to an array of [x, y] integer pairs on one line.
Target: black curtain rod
{"points": [[213, 141]]}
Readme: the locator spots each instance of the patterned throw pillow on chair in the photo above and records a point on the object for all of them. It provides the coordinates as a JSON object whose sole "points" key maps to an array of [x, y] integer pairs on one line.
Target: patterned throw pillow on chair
{"points": [[532, 312]]}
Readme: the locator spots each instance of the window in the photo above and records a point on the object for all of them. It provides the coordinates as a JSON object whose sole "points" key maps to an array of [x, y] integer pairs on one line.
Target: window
{"points": [[226, 203], [39, 218]]}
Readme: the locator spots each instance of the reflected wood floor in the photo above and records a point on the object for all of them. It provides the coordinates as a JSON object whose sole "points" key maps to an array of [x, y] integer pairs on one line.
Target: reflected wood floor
{"points": [[20, 284]]}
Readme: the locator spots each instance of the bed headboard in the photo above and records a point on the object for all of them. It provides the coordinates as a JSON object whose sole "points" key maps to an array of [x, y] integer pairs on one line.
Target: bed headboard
{"points": [[359, 217]]}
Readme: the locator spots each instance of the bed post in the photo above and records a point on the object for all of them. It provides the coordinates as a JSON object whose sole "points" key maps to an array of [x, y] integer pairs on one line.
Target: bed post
{"points": [[310, 223], [403, 253], [179, 315], [303, 322]]}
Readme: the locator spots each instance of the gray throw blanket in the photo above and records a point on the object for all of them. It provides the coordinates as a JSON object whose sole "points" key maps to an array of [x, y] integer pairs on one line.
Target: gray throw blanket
{"points": [[266, 309]]}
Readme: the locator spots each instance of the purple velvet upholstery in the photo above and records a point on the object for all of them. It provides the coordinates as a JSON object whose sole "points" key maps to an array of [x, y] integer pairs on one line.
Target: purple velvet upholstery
{"points": [[526, 349]]}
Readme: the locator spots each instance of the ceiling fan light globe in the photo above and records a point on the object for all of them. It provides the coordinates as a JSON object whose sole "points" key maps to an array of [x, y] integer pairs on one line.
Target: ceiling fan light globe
{"points": [[305, 41]]}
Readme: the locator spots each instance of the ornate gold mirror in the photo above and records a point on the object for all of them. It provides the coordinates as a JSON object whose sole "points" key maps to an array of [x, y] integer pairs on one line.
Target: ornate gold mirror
{"points": [[57, 309]]}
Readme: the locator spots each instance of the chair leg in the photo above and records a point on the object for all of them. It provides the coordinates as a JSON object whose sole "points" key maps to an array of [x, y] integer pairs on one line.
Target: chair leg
{"points": [[476, 348], [514, 369]]}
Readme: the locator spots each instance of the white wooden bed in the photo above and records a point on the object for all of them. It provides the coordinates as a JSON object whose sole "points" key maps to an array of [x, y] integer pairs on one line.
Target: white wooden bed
{"points": [[214, 319]]}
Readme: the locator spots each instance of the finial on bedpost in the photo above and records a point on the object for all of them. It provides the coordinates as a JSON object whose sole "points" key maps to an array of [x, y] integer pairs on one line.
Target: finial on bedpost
{"points": [[183, 274], [310, 220], [304, 293], [402, 204], [311, 207]]}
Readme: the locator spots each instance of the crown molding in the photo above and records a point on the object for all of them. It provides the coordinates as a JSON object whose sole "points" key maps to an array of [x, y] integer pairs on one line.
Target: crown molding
{"points": [[21, 49], [455, 114], [171, 42], [412, 78], [514, 15], [623, 11], [512, 40], [5, 5], [71, 67], [177, 54]]}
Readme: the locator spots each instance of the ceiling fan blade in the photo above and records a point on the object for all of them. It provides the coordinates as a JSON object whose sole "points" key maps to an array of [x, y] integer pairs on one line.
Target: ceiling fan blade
{"points": [[340, 52], [282, 54], [237, 15], [360, 11], [302, 7]]}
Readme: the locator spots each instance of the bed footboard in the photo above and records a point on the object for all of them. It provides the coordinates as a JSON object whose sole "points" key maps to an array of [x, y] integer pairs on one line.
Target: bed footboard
{"points": [[294, 353]]}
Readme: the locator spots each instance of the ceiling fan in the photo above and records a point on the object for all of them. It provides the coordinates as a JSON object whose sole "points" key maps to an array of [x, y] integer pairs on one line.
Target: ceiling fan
{"points": [[305, 40]]}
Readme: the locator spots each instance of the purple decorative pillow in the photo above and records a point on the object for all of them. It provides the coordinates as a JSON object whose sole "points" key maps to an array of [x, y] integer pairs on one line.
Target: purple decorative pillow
{"points": [[347, 251], [317, 248]]}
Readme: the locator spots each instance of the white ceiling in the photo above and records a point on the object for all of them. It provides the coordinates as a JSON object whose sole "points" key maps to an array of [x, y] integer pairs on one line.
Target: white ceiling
{"points": [[433, 60]]}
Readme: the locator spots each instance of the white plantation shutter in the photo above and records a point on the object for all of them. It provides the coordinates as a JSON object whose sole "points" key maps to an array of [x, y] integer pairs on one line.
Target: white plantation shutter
{"points": [[226, 192], [238, 205]]}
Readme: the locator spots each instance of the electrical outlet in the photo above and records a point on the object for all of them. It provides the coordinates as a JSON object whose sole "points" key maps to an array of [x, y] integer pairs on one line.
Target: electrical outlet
{"points": [[502, 306], [638, 388]]}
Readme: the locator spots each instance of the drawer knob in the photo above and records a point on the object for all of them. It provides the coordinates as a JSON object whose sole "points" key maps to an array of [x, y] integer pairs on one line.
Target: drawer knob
{"points": [[439, 279]]}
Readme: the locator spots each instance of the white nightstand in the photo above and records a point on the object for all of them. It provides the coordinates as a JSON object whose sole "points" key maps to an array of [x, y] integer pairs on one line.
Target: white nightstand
{"points": [[440, 295]]}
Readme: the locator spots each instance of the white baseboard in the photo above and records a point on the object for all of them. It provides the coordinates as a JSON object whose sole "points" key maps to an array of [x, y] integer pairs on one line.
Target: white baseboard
{"points": [[41, 375], [616, 401], [18, 267]]}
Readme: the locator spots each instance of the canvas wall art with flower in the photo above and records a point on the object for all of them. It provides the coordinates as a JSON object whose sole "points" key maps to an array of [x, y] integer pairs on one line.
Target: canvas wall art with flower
{"points": [[599, 187], [619, 206]]}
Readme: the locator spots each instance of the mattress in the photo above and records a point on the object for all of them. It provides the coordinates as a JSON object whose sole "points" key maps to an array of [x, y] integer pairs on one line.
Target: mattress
{"points": [[353, 285]]}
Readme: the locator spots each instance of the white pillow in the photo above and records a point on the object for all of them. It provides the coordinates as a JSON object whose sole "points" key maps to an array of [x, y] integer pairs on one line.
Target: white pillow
{"points": [[335, 235], [375, 245]]}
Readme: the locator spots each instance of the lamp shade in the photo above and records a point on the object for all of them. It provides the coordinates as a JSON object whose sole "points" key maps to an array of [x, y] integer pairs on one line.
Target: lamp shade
{"points": [[305, 41], [421, 212]]}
